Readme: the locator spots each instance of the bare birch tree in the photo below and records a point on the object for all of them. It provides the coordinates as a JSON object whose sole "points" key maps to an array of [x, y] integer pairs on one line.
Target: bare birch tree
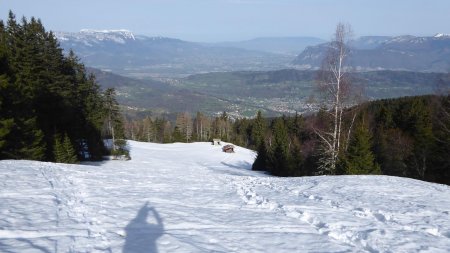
{"points": [[148, 129], [201, 126], [334, 85], [184, 124]]}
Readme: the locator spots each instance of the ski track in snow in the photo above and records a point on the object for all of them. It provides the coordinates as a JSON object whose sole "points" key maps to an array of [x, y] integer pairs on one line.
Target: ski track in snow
{"points": [[209, 201]]}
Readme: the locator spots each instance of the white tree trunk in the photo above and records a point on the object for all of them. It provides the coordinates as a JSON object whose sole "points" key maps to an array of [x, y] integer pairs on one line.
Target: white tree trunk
{"points": [[331, 82]]}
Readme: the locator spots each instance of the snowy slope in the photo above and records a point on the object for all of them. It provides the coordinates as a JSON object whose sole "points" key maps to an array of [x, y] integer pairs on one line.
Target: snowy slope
{"points": [[194, 198]]}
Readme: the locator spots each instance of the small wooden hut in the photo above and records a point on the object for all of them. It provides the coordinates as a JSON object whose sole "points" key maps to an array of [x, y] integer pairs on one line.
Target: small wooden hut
{"points": [[216, 142], [228, 149]]}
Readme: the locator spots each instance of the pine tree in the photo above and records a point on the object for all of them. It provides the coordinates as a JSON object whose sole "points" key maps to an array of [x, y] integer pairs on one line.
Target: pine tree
{"points": [[421, 125], [279, 159], [258, 130], [166, 132], [296, 163], [114, 124], [6, 121], [441, 164], [5, 129], [58, 150], [43, 92], [63, 150], [70, 154], [359, 158], [177, 136], [261, 158], [31, 143]]}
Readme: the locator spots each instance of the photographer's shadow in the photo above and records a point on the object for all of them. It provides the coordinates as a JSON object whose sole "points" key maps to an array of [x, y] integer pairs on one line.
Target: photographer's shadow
{"points": [[141, 236]]}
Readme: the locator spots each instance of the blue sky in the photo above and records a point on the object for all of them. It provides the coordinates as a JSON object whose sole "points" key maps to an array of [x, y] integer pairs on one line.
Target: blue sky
{"points": [[226, 20]]}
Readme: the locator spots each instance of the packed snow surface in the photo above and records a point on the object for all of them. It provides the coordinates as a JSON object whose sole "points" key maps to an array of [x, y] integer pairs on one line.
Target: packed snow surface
{"points": [[195, 198]]}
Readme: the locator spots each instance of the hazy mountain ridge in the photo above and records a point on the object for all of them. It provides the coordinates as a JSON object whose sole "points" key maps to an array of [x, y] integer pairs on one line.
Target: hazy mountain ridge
{"points": [[278, 45], [139, 56], [142, 56], [410, 53], [369, 42]]}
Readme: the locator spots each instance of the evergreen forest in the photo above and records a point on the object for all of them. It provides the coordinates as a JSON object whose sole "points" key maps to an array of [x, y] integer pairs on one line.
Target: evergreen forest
{"points": [[50, 108], [407, 137]]}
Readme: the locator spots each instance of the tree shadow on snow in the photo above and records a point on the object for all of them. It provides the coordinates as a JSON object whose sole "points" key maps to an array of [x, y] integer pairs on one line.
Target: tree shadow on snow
{"points": [[236, 169], [141, 236], [241, 165]]}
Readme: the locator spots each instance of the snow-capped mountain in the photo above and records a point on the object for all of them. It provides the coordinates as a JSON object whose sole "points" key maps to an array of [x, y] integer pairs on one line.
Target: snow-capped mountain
{"points": [[412, 53], [195, 198], [91, 37], [442, 35]]}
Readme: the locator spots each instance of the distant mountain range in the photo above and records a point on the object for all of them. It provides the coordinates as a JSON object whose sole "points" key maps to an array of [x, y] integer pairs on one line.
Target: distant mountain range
{"points": [[266, 84], [140, 56], [411, 53]]}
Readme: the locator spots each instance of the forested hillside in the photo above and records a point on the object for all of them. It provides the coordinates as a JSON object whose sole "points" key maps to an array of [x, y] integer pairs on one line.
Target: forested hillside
{"points": [[50, 108], [406, 137]]}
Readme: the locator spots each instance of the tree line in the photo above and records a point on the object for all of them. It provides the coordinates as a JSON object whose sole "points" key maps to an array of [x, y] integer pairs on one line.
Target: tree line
{"points": [[406, 137], [50, 108], [184, 128]]}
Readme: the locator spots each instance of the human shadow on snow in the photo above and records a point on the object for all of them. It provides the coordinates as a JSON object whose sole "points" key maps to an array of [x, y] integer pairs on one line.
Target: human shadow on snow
{"points": [[141, 236]]}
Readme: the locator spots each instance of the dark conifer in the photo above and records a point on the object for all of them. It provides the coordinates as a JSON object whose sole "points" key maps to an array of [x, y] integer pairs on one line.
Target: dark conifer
{"points": [[279, 159], [70, 154], [261, 158], [43, 93], [359, 158], [63, 150], [258, 130]]}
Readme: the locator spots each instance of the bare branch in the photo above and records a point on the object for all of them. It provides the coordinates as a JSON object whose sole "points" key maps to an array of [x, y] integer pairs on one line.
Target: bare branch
{"points": [[335, 86]]}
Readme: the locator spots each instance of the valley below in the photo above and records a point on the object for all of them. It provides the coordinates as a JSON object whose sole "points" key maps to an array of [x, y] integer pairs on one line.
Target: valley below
{"points": [[243, 93]]}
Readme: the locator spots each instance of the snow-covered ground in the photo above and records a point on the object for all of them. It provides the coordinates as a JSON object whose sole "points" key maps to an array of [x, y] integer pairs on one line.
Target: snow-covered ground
{"points": [[195, 198]]}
